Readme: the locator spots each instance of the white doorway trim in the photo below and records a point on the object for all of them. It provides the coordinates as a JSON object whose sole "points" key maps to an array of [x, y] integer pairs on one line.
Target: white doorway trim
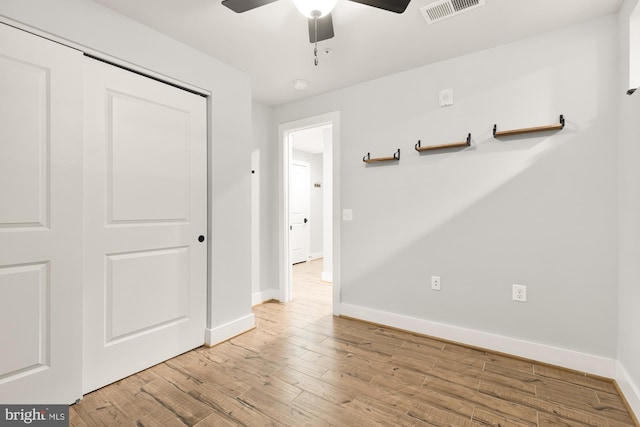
{"points": [[284, 149]]}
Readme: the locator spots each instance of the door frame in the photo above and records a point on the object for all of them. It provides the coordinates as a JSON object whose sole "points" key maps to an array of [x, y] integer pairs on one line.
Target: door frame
{"points": [[284, 149]]}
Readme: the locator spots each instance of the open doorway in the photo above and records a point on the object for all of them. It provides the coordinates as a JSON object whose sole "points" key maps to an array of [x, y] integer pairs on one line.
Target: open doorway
{"points": [[308, 230]]}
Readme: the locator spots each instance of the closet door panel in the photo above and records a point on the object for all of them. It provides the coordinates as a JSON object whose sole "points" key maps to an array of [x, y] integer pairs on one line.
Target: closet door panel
{"points": [[145, 192], [40, 220]]}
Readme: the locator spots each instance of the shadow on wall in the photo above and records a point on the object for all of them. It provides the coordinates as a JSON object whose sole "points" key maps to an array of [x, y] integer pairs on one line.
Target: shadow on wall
{"points": [[538, 211]]}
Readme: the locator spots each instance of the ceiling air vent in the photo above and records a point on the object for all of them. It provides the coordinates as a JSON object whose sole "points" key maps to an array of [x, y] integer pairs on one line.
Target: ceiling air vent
{"points": [[443, 9]]}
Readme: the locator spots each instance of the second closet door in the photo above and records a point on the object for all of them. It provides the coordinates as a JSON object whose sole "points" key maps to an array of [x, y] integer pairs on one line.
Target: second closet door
{"points": [[145, 267]]}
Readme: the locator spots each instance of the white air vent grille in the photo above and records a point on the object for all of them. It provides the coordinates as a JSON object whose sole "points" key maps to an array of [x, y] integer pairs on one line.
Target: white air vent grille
{"points": [[446, 8]]}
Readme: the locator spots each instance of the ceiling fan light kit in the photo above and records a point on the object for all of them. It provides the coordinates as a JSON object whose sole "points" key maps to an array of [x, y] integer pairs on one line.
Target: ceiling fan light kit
{"points": [[315, 8]]}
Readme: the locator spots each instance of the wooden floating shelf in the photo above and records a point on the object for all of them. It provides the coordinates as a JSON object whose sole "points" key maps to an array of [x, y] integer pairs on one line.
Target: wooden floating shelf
{"points": [[368, 159], [557, 126], [466, 143]]}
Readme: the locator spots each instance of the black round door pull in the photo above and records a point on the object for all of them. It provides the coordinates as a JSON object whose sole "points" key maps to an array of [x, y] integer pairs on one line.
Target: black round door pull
{"points": [[201, 238]]}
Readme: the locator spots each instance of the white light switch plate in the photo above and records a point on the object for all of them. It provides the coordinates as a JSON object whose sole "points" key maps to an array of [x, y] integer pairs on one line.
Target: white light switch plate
{"points": [[347, 214]]}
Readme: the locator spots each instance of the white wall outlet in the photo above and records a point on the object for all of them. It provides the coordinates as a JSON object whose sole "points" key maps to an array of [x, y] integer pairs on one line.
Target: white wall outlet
{"points": [[347, 214], [520, 293], [435, 283]]}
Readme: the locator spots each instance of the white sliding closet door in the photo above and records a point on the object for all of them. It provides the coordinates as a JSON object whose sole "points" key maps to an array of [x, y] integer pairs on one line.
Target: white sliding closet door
{"points": [[145, 210], [40, 220]]}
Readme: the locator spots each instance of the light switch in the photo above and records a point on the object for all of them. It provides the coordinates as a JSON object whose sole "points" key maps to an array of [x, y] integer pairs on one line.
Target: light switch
{"points": [[347, 214]]}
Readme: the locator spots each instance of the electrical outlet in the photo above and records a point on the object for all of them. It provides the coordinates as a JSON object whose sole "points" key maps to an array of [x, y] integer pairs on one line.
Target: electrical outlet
{"points": [[520, 293], [435, 283]]}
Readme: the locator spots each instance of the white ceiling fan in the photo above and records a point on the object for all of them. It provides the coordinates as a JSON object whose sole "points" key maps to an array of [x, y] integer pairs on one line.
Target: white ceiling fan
{"points": [[318, 13]]}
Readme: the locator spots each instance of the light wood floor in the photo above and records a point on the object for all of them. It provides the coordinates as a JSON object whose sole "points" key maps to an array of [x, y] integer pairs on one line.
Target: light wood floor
{"points": [[302, 366]]}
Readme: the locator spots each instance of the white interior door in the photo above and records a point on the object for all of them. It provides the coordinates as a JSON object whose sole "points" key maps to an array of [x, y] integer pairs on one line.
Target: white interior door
{"points": [[40, 220], [299, 235], [145, 210]]}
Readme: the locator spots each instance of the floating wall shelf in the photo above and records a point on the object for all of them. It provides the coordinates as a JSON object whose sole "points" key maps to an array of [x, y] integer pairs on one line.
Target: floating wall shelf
{"points": [[368, 159], [558, 126], [466, 143]]}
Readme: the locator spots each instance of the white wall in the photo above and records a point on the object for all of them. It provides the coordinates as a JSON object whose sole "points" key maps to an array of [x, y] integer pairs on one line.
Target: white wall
{"points": [[265, 205], [315, 199], [539, 211], [633, 46], [629, 231], [89, 24]]}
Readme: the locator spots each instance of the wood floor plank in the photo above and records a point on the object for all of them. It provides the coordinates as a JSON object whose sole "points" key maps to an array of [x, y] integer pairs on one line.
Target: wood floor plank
{"points": [[575, 378], [359, 385], [385, 413], [99, 411], [583, 399], [153, 420], [507, 381], [301, 366], [450, 404], [320, 388], [410, 338], [313, 369], [494, 404], [466, 376], [612, 399], [437, 417], [221, 374], [128, 402], [510, 363], [486, 418], [548, 420], [233, 409], [399, 379], [509, 375], [279, 411], [216, 420], [331, 413], [76, 420], [542, 405], [187, 409]]}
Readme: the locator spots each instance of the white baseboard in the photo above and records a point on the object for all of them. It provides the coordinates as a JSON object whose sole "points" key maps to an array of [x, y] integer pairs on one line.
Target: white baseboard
{"points": [[327, 276], [314, 256], [229, 330], [629, 388], [260, 297], [570, 359]]}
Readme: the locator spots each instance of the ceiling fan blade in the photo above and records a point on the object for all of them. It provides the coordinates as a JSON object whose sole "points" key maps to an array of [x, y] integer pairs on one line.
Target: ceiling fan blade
{"points": [[325, 29], [397, 6], [240, 6]]}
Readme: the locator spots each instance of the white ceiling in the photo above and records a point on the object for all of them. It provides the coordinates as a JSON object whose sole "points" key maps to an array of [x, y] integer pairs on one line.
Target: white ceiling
{"points": [[271, 43]]}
